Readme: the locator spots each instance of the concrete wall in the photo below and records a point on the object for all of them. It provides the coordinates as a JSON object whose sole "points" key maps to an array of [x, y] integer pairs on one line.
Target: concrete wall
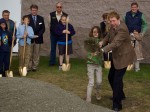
{"points": [[84, 14]]}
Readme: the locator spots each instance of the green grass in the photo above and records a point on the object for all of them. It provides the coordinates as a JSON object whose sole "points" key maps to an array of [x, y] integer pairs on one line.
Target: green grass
{"points": [[136, 85]]}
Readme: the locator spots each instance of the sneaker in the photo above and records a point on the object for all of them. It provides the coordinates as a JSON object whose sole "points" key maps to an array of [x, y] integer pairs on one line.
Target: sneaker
{"points": [[98, 96], [60, 67], [88, 100], [34, 70]]}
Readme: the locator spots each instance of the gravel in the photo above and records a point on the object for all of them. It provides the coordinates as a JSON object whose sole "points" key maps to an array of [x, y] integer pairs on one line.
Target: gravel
{"points": [[29, 95]]}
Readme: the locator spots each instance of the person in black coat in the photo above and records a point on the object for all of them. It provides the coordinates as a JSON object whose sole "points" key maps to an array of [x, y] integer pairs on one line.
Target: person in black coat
{"points": [[104, 30], [38, 25], [54, 19]]}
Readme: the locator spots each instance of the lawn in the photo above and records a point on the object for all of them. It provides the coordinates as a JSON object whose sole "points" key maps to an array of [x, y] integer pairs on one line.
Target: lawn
{"points": [[136, 85]]}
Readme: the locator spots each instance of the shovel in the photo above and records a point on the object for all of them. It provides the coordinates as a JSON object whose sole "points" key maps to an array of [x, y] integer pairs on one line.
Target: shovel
{"points": [[66, 66], [130, 67], [107, 64], [9, 73], [23, 70]]}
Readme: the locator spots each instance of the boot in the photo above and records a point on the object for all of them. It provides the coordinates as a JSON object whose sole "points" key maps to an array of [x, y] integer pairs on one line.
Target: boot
{"points": [[98, 96], [89, 92]]}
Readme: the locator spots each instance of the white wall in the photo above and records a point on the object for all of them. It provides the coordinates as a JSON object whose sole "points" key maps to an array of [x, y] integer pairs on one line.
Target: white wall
{"points": [[14, 6]]}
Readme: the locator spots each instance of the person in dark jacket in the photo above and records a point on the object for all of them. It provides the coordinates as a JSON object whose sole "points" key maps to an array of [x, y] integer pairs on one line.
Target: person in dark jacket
{"points": [[54, 19], [5, 46], [122, 55], [104, 27], [137, 26], [38, 26], [61, 32], [10, 23]]}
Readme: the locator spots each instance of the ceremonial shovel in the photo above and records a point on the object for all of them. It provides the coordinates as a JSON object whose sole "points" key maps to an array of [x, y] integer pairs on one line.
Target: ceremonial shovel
{"points": [[66, 66], [23, 70], [9, 73], [107, 64]]}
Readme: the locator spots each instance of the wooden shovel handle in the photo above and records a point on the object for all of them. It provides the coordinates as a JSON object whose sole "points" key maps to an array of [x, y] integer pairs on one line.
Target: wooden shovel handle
{"points": [[12, 45], [66, 39], [24, 47]]}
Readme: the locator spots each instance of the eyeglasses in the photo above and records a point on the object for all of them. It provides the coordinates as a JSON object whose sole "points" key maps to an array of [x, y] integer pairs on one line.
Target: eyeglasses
{"points": [[59, 7]]}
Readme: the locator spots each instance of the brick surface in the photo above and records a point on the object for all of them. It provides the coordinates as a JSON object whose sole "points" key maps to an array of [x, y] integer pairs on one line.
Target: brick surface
{"points": [[84, 14]]}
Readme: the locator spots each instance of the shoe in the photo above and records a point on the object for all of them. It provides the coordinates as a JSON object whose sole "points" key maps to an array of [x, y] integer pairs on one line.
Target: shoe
{"points": [[123, 98], [88, 100], [4, 75], [98, 96], [34, 70], [60, 67], [51, 64], [116, 109], [137, 70], [0, 75], [29, 70]]}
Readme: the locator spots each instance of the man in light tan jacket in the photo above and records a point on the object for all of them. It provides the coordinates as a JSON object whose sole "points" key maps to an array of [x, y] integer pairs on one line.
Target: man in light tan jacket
{"points": [[123, 55]]}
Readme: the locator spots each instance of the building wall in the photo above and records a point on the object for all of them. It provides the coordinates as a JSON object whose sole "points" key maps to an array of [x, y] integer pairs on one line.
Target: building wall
{"points": [[83, 15]]}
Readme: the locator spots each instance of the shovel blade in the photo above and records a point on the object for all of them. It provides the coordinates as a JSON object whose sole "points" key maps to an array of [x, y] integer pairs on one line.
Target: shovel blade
{"points": [[9, 73], [24, 71], [20, 71], [130, 67], [66, 67], [107, 64]]}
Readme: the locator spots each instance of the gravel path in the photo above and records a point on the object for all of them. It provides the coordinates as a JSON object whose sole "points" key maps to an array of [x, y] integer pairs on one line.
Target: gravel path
{"points": [[29, 95]]}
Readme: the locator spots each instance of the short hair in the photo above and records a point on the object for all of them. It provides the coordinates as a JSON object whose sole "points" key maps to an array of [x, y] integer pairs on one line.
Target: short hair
{"points": [[98, 30], [34, 6], [59, 3], [5, 11], [26, 16], [113, 14], [63, 16], [104, 16], [134, 3]]}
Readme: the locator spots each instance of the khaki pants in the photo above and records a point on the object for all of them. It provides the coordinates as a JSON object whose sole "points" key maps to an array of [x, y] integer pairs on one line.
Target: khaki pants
{"points": [[35, 56], [24, 62], [92, 70]]}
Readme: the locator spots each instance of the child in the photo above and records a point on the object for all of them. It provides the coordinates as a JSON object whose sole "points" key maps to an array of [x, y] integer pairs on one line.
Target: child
{"points": [[103, 24], [5, 47], [94, 66], [24, 31], [61, 32]]}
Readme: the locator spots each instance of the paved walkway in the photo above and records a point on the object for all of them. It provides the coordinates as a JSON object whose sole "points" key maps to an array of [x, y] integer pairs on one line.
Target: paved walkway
{"points": [[28, 95]]}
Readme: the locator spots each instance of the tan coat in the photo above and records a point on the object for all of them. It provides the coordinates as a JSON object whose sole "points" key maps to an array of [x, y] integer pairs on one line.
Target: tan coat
{"points": [[119, 40]]}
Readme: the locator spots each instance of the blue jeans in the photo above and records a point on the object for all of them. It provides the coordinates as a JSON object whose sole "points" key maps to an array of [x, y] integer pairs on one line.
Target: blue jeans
{"points": [[4, 62], [53, 39]]}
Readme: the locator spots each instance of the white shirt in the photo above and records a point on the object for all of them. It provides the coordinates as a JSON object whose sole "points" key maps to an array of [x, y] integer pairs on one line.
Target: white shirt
{"points": [[58, 16]]}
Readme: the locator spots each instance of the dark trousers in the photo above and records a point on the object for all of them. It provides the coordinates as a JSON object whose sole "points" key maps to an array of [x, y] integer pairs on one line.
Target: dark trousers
{"points": [[4, 62], [53, 39], [115, 78]]}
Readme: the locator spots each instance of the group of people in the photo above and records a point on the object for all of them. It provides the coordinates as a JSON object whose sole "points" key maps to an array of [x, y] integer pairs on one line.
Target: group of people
{"points": [[122, 39], [30, 36]]}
